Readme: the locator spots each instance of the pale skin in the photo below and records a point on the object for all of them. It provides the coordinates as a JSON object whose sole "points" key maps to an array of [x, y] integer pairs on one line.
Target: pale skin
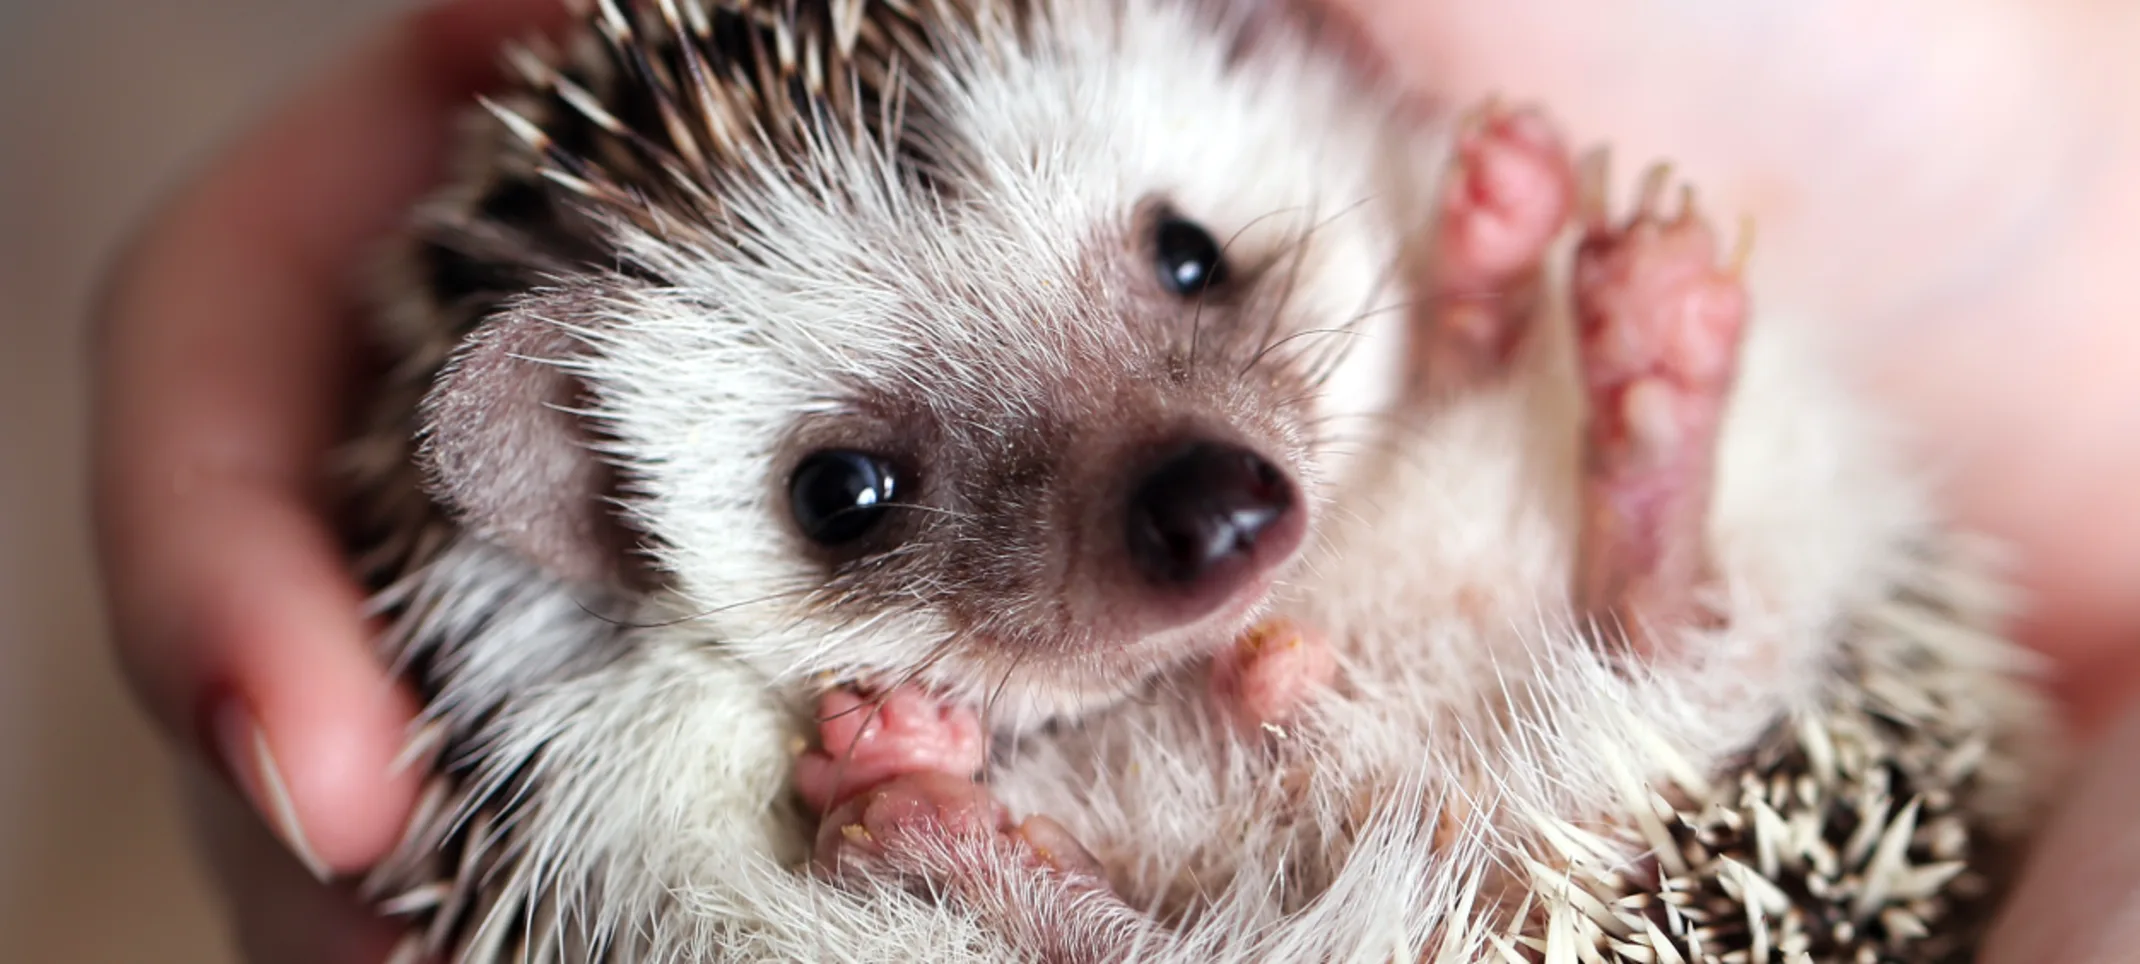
{"points": [[1975, 236]]}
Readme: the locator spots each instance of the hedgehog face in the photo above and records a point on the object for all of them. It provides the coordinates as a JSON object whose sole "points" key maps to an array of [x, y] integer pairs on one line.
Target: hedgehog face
{"points": [[1032, 409], [1111, 473]]}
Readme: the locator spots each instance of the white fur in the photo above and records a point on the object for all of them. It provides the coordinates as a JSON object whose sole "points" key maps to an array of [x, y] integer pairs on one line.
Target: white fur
{"points": [[862, 285]]}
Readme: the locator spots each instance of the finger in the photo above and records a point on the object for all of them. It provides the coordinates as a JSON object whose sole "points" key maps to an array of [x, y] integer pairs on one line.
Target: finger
{"points": [[224, 350], [2078, 901]]}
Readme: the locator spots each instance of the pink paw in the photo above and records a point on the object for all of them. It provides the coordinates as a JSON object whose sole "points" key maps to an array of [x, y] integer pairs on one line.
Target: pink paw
{"points": [[865, 741], [1508, 196], [1272, 672], [943, 828], [1507, 199], [1659, 322], [1653, 303]]}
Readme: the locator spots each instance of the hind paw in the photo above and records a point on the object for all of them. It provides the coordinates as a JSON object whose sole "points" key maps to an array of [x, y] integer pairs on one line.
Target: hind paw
{"points": [[867, 740], [944, 838], [1660, 321], [1508, 196], [943, 830], [910, 823]]}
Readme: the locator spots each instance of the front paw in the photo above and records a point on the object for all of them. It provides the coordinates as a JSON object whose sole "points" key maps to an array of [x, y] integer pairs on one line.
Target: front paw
{"points": [[947, 832], [866, 740], [1271, 673]]}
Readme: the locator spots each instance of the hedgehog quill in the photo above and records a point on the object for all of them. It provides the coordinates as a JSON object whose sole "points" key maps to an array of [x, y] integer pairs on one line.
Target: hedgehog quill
{"points": [[1095, 480]]}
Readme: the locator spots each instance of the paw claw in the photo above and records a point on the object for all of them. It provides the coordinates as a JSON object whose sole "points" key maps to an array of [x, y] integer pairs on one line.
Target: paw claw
{"points": [[1689, 210], [1593, 178], [1742, 249], [1651, 191], [1053, 845]]}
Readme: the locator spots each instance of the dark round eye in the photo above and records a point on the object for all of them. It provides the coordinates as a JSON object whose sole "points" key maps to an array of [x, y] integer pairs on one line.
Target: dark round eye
{"points": [[838, 496], [1189, 260]]}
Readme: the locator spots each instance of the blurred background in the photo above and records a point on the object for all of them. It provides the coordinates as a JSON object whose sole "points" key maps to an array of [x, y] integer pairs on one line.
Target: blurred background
{"points": [[103, 103]]}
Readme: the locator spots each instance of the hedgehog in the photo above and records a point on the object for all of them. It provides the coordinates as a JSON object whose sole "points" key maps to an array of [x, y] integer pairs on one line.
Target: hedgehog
{"points": [[1098, 480]]}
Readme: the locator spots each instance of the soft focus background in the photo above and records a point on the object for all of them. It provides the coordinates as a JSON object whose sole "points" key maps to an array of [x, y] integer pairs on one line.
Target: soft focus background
{"points": [[102, 104]]}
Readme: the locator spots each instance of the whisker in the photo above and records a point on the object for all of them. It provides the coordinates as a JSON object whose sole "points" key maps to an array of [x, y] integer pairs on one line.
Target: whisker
{"points": [[1296, 261], [1386, 276], [1319, 371], [931, 510], [1196, 325], [1274, 346], [1296, 256], [995, 695], [622, 623]]}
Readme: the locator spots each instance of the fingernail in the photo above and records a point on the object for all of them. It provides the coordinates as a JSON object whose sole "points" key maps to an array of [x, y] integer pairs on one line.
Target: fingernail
{"points": [[252, 763]]}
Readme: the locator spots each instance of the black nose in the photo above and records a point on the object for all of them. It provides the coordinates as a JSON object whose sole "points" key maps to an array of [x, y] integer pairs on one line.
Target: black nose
{"points": [[1211, 514]]}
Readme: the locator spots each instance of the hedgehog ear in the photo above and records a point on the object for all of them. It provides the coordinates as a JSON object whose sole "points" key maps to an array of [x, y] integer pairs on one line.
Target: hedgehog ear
{"points": [[506, 454]]}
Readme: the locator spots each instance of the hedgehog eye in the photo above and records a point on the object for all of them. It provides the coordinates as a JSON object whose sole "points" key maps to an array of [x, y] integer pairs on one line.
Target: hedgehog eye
{"points": [[1189, 260], [838, 496]]}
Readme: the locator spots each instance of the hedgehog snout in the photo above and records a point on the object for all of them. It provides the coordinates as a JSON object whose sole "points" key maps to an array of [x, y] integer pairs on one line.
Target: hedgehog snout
{"points": [[1207, 523], [1143, 539]]}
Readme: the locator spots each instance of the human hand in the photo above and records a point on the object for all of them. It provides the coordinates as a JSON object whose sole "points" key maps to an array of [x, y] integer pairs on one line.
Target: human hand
{"points": [[226, 340]]}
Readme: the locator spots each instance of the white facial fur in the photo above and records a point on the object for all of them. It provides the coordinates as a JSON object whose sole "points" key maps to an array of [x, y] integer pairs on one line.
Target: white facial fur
{"points": [[860, 310]]}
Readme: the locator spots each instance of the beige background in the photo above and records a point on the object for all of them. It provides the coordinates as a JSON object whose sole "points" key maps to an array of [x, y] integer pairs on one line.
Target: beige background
{"points": [[102, 104]]}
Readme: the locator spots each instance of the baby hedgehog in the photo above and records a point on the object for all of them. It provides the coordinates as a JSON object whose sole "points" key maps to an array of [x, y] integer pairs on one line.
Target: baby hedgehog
{"points": [[1091, 480]]}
